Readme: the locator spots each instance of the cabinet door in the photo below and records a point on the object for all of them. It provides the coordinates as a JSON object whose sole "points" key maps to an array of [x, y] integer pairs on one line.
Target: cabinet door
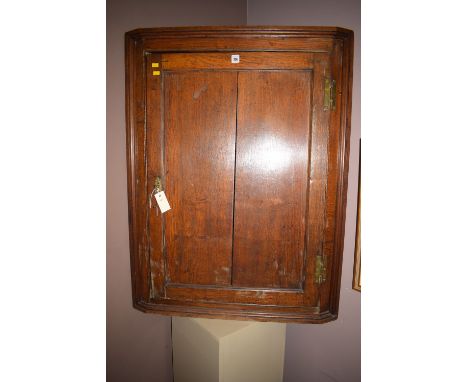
{"points": [[232, 144]]}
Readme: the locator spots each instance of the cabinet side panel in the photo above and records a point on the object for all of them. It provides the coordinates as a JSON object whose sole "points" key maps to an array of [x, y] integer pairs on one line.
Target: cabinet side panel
{"points": [[271, 178], [200, 129], [136, 170], [342, 66]]}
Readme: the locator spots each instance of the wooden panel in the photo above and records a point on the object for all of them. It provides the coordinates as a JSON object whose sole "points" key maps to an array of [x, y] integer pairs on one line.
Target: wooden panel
{"points": [[290, 297], [340, 130], [248, 60], [136, 150], [235, 311], [318, 178], [200, 126], [154, 137], [271, 178], [331, 177], [203, 44]]}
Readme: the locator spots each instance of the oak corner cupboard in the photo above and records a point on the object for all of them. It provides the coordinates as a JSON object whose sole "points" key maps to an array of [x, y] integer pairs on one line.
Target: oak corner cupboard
{"points": [[246, 130]]}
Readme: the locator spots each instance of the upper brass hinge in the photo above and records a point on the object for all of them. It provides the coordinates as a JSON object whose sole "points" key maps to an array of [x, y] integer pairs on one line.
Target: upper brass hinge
{"points": [[329, 98], [320, 269]]}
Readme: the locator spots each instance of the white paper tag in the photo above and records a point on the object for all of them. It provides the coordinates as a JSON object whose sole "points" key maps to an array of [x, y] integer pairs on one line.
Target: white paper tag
{"points": [[235, 58], [162, 201]]}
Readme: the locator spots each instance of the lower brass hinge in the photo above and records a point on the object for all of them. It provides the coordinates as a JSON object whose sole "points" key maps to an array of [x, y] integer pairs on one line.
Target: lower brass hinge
{"points": [[329, 97], [320, 269]]}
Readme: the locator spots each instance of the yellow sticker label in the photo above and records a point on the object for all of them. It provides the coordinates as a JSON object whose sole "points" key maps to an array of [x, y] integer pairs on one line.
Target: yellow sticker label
{"points": [[156, 73], [155, 65]]}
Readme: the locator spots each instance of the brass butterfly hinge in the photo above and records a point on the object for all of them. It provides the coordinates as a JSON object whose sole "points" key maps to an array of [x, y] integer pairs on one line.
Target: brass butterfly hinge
{"points": [[329, 97], [320, 269]]}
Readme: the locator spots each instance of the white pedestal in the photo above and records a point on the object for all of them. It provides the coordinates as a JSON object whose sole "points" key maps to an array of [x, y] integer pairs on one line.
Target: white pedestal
{"points": [[206, 350]]}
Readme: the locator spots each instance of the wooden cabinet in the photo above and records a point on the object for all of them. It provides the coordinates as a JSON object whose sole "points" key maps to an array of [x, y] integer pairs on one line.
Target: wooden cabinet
{"points": [[247, 131]]}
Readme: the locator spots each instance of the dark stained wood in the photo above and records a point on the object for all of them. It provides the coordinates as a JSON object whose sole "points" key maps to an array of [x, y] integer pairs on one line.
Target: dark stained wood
{"points": [[154, 168], [167, 130], [271, 178], [332, 176], [237, 44], [290, 297], [251, 38], [220, 32], [237, 311], [248, 60], [200, 134], [318, 170], [342, 59], [136, 174]]}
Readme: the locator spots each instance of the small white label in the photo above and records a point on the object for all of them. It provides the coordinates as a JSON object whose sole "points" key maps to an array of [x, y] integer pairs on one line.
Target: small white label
{"points": [[235, 58], [162, 201]]}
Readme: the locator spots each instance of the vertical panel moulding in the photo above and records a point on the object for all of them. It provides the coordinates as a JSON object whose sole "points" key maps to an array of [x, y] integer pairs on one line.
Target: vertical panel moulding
{"points": [[342, 69], [332, 231], [154, 169], [139, 147], [329, 249], [130, 104], [318, 179], [309, 169], [162, 161], [234, 185], [147, 214]]}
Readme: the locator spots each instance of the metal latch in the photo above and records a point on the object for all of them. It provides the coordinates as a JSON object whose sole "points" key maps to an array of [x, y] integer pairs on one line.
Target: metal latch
{"points": [[157, 184], [157, 188], [320, 269], [329, 98]]}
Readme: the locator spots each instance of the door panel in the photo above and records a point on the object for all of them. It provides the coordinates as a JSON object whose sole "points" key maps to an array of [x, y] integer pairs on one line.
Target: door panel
{"points": [[247, 60], [272, 158], [200, 128]]}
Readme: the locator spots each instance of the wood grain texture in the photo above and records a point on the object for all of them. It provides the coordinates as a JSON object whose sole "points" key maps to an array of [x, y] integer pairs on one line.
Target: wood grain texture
{"points": [[197, 294], [271, 178], [318, 170], [332, 176], [342, 64], [264, 296], [219, 32], [155, 168], [248, 60], [228, 311], [246, 38], [237, 44], [136, 169], [200, 129]]}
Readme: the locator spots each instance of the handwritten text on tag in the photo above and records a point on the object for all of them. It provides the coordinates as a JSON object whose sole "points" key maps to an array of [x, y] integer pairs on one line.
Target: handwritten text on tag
{"points": [[162, 201]]}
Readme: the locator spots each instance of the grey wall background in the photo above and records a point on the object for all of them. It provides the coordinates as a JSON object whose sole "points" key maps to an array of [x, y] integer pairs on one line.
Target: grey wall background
{"points": [[139, 345]]}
